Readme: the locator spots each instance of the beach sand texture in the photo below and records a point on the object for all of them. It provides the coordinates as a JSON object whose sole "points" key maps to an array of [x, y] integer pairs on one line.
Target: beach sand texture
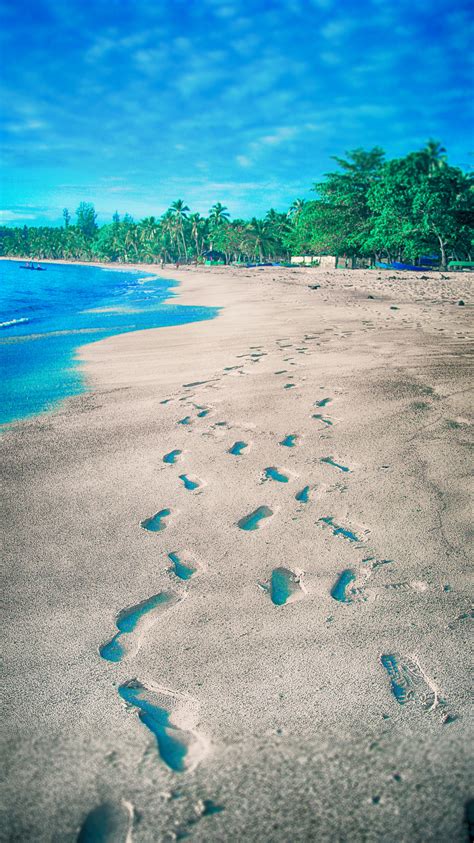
{"points": [[313, 684]]}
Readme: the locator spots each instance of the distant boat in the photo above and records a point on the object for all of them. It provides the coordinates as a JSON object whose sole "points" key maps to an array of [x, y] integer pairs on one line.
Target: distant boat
{"points": [[407, 266], [410, 266], [37, 268], [252, 265]]}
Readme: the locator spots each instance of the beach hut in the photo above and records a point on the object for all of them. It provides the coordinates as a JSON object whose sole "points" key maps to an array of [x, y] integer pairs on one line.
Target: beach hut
{"points": [[324, 261], [212, 256]]}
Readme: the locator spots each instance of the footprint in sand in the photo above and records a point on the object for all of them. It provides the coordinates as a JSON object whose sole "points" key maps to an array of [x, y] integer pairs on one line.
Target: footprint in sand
{"points": [[203, 808], [337, 530], [132, 624], [350, 586], [289, 440], [303, 495], [415, 585], [156, 523], [322, 419], [172, 457], [323, 403], [409, 683], [339, 589], [110, 822], [272, 473], [331, 461], [284, 586], [460, 619], [237, 448], [171, 717], [252, 521], [198, 383], [190, 483], [202, 411], [182, 566]]}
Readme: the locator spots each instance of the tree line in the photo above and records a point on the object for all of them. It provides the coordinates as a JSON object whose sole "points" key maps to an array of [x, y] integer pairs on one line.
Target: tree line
{"points": [[369, 207]]}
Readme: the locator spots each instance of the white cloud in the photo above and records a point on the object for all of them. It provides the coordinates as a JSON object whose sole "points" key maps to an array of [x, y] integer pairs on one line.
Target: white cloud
{"points": [[13, 216], [331, 58], [334, 30], [122, 189], [280, 135], [31, 125]]}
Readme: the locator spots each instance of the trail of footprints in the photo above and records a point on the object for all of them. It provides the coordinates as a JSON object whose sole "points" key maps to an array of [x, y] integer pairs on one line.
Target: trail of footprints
{"points": [[172, 717]]}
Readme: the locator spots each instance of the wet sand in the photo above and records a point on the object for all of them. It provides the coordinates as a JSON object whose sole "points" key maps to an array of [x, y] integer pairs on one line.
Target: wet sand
{"points": [[302, 679]]}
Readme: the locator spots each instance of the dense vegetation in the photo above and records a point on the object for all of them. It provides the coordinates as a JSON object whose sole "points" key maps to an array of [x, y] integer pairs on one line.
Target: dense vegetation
{"points": [[369, 207]]}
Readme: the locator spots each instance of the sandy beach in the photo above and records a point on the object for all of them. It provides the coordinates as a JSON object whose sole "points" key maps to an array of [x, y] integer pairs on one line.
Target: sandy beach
{"points": [[311, 674]]}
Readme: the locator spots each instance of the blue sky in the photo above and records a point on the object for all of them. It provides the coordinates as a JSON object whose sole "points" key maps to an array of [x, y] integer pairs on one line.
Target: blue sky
{"points": [[131, 104]]}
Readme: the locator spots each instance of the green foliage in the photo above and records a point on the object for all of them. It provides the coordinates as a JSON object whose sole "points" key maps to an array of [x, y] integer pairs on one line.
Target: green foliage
{"points": [[86, 219], [342, 218], [421, 204], [261, 237], [385, 210]]}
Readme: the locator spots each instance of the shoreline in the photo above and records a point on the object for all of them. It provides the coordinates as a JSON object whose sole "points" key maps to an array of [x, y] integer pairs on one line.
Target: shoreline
{"points": [[288, 708], [136, 270]]}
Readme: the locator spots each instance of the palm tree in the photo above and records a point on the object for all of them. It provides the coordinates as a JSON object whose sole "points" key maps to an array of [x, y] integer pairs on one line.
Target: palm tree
{"points": [[296, 207], [197, 224], [148, 232], [179, 211], [168, 228], [279, 225], [277, 222], [436, 156], [218, 215], [261, 237]]}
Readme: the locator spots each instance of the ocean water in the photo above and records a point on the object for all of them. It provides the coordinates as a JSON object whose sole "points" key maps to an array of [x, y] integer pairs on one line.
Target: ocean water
{"points": [[46, 316]]}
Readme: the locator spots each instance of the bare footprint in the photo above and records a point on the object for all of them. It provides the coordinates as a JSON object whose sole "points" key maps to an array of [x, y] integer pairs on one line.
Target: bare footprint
{"points": [[275, 474], [157, 522], [184, 565], [252, 520], [132, 624], [172, 718], [190, 482], [110, 822], [284, 586]]}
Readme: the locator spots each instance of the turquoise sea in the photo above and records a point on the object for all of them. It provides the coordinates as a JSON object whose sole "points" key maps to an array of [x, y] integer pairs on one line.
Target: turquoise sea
{"points": [[46, 316]]}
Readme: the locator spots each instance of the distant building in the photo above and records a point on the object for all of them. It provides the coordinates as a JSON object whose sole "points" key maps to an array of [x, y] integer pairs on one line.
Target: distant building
{"points": [[213, 256], [324, 261]]}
